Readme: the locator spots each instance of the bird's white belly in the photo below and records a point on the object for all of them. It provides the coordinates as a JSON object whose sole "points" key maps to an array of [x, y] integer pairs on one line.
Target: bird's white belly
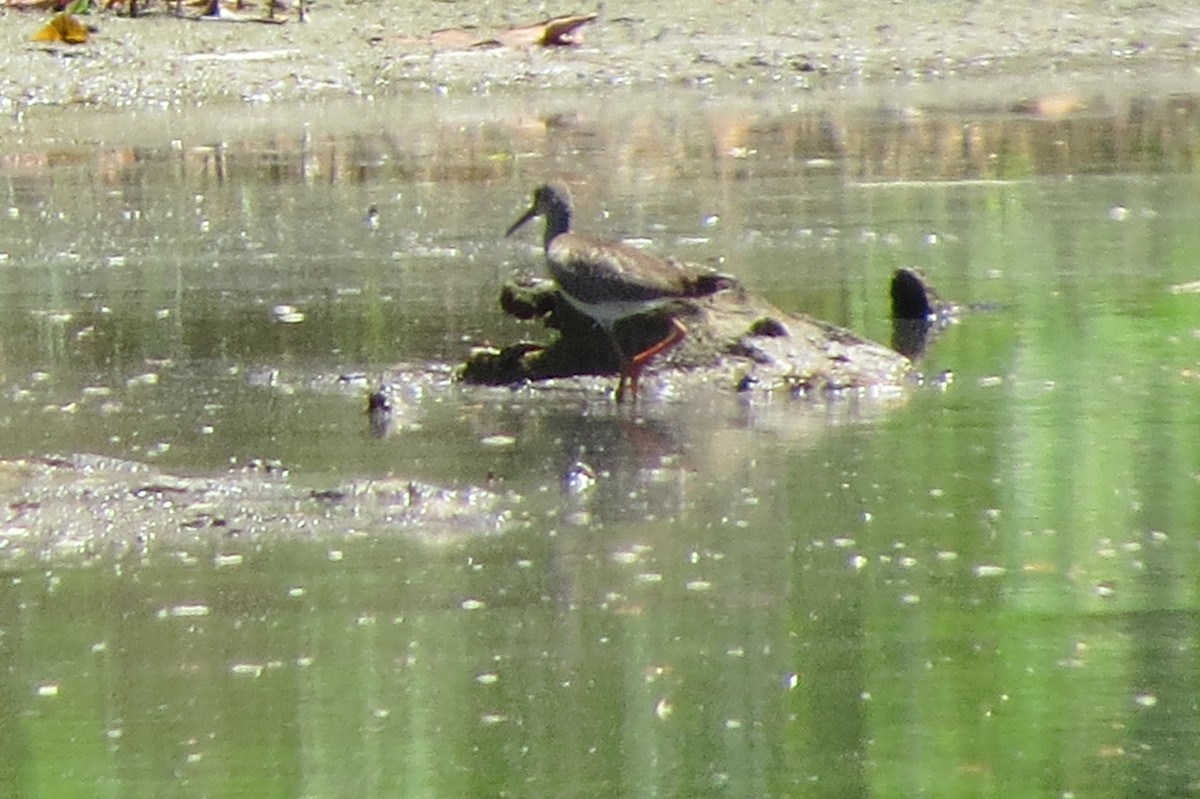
{"points": [[608, 313]]}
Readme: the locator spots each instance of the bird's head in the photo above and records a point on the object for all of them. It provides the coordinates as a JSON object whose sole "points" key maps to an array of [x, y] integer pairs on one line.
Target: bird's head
{"points": [[551, 201]]}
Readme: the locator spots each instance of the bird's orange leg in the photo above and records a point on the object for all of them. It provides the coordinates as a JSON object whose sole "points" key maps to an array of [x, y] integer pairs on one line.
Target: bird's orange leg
{"points": [[631, 370], [672, 339]]}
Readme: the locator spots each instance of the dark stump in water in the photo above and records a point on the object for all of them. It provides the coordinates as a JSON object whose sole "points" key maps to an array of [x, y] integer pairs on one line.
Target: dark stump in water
{"points": [[735, 340], [918, 313]]}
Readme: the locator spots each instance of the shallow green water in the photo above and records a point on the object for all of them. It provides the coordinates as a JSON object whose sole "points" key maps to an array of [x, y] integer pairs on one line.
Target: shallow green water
{"points": [[986, 590]]}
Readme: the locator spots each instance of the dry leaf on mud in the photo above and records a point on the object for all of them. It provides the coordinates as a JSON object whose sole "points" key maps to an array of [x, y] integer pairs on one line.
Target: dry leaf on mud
{"points": [[456, 39], [222, 10], [62, 28], [234, 11], [555, 32]]}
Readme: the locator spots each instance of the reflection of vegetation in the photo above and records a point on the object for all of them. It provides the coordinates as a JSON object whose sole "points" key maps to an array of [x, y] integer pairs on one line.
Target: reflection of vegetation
{"points": [[871, 144]]}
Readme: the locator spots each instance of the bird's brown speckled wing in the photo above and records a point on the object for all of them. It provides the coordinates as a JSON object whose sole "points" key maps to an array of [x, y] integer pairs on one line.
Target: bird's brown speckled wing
{"points": [[609, 271]]}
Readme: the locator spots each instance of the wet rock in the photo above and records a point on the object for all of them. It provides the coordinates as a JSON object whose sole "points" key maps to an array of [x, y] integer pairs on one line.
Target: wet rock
{"points": [[735, 340]]}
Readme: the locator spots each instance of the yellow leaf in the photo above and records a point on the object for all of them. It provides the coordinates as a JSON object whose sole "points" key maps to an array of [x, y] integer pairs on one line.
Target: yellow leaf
{"points": [[62, 28]]}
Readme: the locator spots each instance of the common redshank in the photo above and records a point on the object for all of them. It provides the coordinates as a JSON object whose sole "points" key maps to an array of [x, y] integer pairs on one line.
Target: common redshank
{"points": [[609, 281]]}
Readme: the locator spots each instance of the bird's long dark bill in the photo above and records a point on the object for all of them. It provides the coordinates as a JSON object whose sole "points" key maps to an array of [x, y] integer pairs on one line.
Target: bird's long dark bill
{"points": [[530, 214]]}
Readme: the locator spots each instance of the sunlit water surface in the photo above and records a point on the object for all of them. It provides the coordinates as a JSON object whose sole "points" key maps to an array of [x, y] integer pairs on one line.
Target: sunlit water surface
{"points": [[987, 588]]}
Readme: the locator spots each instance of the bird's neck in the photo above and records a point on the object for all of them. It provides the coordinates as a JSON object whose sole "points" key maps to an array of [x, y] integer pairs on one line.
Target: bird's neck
{"points": [[558, 221]]}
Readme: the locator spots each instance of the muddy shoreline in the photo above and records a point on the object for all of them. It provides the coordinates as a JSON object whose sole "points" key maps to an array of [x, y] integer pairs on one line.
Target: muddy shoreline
{"points": [[368, 50]]}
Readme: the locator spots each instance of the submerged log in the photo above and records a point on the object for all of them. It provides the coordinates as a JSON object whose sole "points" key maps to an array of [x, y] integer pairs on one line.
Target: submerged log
{"points": [[735, 340]]}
